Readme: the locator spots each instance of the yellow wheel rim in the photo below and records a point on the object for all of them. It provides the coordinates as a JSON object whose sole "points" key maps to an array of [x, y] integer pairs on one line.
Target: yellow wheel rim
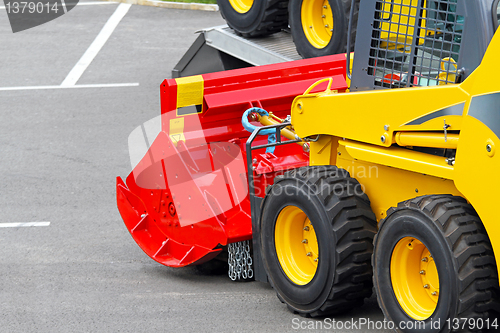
{"points": [[415, 278], [241, 6], [296, 245], [317, 22]]}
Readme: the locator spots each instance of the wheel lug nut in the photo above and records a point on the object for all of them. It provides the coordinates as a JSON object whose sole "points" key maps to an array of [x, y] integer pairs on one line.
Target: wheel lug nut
{"points": [[434, 293], [426, 286], [309, 254], [304, 241], [325, 7], [316, 260], [323, 16], [422, 272], [306, 228], [326, 26], [424, 259]]}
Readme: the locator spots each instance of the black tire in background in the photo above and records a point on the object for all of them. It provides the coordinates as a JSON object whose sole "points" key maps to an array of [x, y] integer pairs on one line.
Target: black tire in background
{"points": [[338, 42], [344, 224], [265, 17], [459, 245]]}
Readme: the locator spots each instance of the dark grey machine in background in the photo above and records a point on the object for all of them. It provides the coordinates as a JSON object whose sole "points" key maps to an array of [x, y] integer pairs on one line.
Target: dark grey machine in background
{"points": [[220, 48]]}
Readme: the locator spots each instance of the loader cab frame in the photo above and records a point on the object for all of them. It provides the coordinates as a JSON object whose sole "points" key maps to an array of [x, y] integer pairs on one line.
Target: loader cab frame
{"points": [[420, 42], [496, 14]]}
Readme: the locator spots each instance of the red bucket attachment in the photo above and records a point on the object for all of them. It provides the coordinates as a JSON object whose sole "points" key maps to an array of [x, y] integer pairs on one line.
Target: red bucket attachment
{"points": [[187, 198]]}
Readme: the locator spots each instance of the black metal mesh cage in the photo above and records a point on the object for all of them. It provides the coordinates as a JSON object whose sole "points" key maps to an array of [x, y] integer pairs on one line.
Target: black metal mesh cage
{"points": [[415, 43]]}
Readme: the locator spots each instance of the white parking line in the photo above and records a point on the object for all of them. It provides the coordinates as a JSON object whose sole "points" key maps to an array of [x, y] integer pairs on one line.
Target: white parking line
{"points": [[64, 6], [105, 85], [96, 45], [24, 224], [90, 3]]}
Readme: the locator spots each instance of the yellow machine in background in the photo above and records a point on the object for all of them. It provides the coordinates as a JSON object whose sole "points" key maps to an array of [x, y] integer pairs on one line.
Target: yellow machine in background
{"points": [[318, 27]]}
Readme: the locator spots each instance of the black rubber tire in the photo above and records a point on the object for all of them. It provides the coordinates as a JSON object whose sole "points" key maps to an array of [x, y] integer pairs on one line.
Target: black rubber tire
{"points": [[264, 18], [345, 226], [338, 44], [451, 230]]}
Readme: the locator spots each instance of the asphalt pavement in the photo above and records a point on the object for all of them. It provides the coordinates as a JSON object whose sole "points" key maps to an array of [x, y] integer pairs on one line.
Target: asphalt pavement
{"points": [[61, 149]]}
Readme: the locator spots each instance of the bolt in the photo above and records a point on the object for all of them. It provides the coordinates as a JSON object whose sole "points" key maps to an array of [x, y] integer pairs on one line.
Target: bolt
{"points": [[488, 148], [306, 228], [254, 160], [325, 7], [424, 259], [422, 272], [309, 254], [382, 138], [310, 27], [143, 215], [426, 286], [323, 16], [316, 260], [326, 25], [434, 293], [304, 241], [386, 127]]}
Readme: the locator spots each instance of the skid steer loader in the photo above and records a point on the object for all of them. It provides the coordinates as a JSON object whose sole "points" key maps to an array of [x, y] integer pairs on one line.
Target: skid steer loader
{"points": [[384, 177]]}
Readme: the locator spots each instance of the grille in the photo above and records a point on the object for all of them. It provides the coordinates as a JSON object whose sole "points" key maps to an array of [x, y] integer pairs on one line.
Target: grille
{"points": [[415, 43]]}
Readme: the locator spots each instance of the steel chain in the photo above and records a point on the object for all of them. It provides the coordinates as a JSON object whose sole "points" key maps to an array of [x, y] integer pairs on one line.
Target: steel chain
{"points": [[240, 261]]}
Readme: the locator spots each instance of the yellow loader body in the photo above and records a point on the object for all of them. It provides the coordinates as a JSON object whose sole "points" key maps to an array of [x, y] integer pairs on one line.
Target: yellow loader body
{"points": [[371, 135]]}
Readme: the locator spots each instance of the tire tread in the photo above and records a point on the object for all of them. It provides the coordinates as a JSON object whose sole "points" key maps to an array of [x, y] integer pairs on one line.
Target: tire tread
{"points": [[354, 224], [471, 250]]}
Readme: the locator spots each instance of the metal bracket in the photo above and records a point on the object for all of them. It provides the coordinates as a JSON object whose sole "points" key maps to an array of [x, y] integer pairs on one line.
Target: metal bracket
{"points": [[256, 202]]}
